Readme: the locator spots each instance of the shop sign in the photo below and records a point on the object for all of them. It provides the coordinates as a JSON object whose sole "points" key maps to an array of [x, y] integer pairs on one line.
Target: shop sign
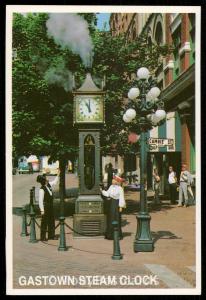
{"points": [[155, 143]]}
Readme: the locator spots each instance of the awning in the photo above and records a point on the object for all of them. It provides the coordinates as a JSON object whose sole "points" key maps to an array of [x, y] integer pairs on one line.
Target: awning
{"points": [[167, 137]]}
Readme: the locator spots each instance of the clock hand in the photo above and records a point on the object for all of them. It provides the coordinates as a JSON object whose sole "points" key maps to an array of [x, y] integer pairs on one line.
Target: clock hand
{"points": [[88, 106]]}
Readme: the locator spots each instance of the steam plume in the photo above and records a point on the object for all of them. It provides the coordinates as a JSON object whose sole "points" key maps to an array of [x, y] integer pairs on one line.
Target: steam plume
{"points": [[71, 31], [59, 75]]}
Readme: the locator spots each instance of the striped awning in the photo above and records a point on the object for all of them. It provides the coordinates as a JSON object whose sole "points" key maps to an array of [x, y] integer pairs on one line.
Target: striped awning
{"points": [[167, 137]]}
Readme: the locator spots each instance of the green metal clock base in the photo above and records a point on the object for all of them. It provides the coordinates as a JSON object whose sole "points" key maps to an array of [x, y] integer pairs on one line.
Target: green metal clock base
{"points": [[143, 240], [89, 226]]}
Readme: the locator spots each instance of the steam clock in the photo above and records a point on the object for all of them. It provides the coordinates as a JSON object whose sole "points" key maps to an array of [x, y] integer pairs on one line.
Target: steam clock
{"points": [[89, 218]]}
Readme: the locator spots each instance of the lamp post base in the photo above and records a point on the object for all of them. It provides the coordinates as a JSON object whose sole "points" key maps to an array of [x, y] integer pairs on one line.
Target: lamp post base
{"points": [[116, 257], [143, 240]]}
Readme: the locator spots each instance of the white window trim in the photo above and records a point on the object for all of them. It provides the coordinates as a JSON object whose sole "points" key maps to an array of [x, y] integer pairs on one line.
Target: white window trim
{"points": [[176, 22], [185, 48], [170, 65]]}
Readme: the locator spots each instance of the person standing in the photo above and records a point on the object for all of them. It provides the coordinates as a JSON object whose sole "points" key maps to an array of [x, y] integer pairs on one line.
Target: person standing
{"points": [[110, 172], [115, 196], [156, 179], [172, 179], [185, 181], [46, 207]]}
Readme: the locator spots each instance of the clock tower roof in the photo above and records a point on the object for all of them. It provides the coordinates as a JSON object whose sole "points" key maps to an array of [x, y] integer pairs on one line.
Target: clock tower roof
{"points": [[89, 85]]}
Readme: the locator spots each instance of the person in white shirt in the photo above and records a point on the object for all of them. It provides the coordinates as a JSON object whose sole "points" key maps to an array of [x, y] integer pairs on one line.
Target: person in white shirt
{"points": [[115, 196], [46, 207], [185, 181], [172, 179]]}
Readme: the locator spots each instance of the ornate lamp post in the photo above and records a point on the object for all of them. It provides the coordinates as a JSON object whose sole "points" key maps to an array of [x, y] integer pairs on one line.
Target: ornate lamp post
{"points": [[144, 111]]}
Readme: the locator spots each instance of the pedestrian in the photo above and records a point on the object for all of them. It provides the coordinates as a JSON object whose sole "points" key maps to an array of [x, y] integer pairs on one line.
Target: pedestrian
{"points": [[115, 196], [46, 207], [185, 181], [110, 173], [172, 179], [156, 179], [189, 189]]}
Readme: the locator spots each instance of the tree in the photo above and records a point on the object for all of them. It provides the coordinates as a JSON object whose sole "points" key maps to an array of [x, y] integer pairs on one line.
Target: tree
{"points": [[42, 109], [118, 60]]}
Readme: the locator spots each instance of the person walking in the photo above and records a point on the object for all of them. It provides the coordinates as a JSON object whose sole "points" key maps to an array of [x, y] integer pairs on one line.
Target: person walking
{"points": [[46, 207], [172, 179], [185, 181], [115, 196], [156, 179]]}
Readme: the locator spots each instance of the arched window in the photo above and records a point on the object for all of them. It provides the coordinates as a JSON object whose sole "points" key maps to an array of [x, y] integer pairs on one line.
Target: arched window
{"points": [[159, 34]]}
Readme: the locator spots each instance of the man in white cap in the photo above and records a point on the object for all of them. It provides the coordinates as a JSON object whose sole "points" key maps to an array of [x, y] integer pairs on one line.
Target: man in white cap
{"points": [[115, 194]]}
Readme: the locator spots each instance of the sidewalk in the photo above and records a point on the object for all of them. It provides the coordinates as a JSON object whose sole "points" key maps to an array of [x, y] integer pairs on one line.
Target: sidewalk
{"points": [[173, 259]]}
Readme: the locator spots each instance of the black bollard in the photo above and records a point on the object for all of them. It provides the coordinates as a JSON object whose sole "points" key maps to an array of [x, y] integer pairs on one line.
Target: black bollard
{"points": [[32, 229], [31, 204], [34, 197], [116, 246], [62, 239], [24, 222]]}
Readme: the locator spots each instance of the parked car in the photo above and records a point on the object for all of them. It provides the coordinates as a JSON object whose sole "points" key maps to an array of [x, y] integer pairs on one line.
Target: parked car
{"points": [[23, 167]]}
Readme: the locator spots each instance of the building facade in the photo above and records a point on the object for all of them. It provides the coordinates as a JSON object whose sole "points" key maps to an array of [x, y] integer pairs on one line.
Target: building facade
{"points": [[176, 79]]}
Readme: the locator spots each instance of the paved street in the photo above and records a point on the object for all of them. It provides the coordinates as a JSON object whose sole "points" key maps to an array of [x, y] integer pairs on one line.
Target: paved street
{"points": [[173, 259]]}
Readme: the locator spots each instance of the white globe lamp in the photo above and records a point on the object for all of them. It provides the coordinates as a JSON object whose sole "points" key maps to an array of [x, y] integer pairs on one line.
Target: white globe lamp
{"points": [[160, 114], [130, 113], [149, 97], [133, 93], [125, 119], [154, 119], [154, 92], [143, 73]]}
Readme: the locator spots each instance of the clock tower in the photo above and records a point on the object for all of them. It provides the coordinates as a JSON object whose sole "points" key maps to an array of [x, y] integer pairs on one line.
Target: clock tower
{"points": [[89, 218]]}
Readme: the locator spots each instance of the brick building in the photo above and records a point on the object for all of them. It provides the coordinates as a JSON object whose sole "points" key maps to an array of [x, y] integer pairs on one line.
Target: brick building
{"points": [[176, 78]]}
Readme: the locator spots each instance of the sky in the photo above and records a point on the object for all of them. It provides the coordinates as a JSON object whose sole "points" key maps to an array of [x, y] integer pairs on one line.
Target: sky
{"points": [[101, 19]]}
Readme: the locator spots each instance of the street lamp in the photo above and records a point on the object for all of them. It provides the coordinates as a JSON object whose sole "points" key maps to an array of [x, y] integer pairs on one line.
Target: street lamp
{"points": [[144, 111]]}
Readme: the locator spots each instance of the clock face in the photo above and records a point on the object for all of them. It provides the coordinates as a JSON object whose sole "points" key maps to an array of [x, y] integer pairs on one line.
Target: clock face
{"points": [[89, 109]]}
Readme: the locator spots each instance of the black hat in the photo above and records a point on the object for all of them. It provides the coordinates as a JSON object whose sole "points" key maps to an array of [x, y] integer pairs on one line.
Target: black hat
{"points": [[41, 179]]}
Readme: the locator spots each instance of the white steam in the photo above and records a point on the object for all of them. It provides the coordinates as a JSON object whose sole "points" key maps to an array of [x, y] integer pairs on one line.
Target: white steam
{"points": [[60, 76], [71, 31]]}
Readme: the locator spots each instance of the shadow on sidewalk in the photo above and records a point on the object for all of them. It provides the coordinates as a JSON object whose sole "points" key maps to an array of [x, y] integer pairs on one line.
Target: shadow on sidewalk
{"points": [[166, 235], [133, 207]]}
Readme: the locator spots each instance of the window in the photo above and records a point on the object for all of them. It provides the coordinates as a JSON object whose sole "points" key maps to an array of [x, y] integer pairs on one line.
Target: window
{"points": [[159, 34], [192, 36], [176, 36]]}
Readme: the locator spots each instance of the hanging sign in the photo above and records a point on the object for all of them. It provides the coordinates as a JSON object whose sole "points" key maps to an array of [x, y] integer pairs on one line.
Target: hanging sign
{"points": [[155, 143]]}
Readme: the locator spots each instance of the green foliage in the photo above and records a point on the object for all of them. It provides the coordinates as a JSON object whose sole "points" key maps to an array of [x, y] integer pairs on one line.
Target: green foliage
{"points": [[117, 59], [43, 113]]}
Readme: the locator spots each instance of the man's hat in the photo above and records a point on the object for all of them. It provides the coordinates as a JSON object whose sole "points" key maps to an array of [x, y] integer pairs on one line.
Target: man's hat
{"points": [[118, 178]]}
